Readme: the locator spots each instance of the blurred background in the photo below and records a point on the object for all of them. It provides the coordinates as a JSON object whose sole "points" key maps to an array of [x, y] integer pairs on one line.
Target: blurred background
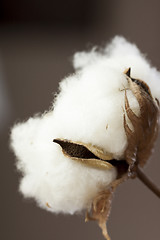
{"points": [[37, 41]]}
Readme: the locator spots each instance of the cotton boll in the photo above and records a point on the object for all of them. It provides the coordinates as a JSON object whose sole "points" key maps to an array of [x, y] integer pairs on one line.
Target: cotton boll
{"points": [[89, 109], [49, 176]]}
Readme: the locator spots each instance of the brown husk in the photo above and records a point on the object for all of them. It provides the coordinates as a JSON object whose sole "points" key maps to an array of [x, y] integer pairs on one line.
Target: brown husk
{"points": [[101, 206], [140, 144]]}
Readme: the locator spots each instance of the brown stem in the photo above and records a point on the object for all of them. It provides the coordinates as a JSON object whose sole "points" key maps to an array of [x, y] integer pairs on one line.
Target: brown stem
{"points": [[148, 182]]}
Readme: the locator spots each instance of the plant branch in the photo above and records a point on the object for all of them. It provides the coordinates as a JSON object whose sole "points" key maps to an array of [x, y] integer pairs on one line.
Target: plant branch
{"points": [[148, 182]]}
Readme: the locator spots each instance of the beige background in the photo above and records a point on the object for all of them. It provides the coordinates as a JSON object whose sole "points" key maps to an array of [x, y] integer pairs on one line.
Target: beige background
{"points": [[37, 41]]}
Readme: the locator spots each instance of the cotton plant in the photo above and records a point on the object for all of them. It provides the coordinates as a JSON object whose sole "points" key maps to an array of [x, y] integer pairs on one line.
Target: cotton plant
{"points": [[99, 131]]}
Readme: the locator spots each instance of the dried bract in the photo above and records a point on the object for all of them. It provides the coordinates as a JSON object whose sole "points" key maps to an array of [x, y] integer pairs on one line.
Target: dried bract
{"points": [[141, 139], [140, 144]]}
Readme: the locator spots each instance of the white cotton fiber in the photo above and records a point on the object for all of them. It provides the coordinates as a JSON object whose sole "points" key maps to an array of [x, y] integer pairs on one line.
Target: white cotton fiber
{"points": [[88, 109]]}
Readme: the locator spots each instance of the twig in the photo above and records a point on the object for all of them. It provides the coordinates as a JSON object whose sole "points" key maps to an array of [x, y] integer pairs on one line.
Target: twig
{"points": [[148, 182]]}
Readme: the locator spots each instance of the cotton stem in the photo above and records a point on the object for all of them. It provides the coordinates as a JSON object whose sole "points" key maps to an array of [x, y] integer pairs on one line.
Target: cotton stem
{"points": [[148, 182]]}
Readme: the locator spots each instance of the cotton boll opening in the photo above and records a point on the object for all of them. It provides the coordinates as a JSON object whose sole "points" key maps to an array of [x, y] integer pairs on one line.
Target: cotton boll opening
{"points": [[92, 156]]}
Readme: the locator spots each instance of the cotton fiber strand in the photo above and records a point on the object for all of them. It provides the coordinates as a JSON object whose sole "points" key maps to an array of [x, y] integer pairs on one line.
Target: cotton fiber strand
{"points": [[88, 109]]}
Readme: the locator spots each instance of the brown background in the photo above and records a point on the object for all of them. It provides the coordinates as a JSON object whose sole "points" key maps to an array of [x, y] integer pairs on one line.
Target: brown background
{"points": [[37, 41]]}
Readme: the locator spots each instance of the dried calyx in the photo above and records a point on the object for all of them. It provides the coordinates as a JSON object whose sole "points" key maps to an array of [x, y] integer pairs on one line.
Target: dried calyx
{"points": [[141, 139], [92, 156], [140, 142]]}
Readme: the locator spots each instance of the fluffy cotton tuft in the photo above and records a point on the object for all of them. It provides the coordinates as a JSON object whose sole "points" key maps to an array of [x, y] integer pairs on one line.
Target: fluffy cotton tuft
{"points": [[88, 109]]}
